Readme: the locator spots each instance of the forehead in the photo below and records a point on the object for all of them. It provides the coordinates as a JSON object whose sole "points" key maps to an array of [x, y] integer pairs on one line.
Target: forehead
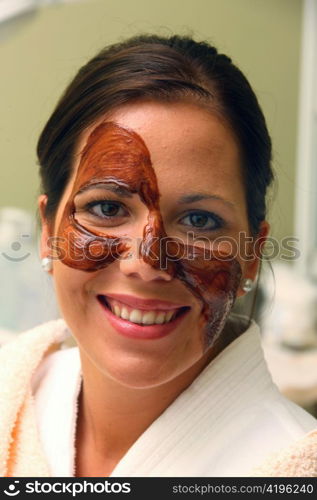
{"points": [[189, 147]]}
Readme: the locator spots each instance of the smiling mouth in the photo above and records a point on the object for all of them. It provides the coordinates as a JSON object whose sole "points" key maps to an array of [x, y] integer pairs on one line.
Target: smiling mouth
{"points": [[178, 313]]}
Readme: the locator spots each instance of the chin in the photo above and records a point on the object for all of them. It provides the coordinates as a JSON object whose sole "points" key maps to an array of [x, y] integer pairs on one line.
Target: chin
{"points": [[145, 370], [138, 372], [130, 363]]}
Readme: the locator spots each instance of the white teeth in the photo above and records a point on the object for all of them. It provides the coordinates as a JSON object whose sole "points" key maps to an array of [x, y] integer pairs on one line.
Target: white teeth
{"points": [[141, 317], [135, 316], [116, 310], [169, 315], [160, 318], [147, 318], [124, 313]]}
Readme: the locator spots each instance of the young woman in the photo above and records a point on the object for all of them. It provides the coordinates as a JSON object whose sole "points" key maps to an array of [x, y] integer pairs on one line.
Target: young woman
{"points": [[155, 166]]}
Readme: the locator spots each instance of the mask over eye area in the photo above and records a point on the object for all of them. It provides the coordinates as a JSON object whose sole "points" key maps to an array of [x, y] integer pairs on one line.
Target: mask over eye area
{"points": [[117, 158]]}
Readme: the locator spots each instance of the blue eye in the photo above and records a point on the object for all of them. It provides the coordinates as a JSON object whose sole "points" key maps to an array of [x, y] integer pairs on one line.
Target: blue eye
{"points": [[110, 210], [199, 220], [104, 209]]}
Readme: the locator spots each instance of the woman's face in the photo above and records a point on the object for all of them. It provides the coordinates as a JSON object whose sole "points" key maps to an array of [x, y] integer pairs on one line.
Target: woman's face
{"points": [[151, 172]]}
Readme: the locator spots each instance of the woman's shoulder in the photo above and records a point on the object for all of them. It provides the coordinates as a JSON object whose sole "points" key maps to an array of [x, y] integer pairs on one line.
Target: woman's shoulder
{"points": [[21, 355], [19, 360], [297, 460], [56, 368], [55, 329]]}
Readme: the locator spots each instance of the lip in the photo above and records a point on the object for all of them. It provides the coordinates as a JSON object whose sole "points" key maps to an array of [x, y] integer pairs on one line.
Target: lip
{"points": [[133, 330], [145, 304]]}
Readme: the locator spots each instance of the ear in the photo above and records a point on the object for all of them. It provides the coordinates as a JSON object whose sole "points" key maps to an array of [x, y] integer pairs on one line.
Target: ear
{"points": [[251, 266], [46, 228]]}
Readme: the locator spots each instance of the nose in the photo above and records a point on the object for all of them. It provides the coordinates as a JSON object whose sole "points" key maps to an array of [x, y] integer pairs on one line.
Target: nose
{"points": [[134, 266], [145, 258]]}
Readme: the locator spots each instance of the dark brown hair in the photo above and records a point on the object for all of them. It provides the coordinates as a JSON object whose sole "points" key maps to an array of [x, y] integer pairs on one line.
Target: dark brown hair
{"points": [[160, 68]]}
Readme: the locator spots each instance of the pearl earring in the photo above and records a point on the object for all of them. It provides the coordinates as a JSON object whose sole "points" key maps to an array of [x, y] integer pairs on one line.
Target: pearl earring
{"points": [[247, 284], [47, 264]]}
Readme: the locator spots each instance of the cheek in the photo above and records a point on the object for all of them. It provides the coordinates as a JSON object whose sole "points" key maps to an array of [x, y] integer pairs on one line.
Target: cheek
{"points": [[71, 288]]}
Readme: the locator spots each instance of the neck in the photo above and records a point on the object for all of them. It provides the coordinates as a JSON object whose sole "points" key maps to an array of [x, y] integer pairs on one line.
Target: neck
{"points": [[111, 417]]}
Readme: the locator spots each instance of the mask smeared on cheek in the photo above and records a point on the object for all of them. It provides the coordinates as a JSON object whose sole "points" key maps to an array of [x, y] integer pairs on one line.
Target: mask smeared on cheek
{"points": [[118, 157]]}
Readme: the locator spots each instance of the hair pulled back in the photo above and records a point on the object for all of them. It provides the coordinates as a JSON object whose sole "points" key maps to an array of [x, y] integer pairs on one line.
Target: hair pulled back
{"points": [[165, 69]]}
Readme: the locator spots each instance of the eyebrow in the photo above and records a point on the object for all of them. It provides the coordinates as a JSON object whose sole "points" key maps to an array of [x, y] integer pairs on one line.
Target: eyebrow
{"points": [[114, 188], [126, 193], [192, 198]]}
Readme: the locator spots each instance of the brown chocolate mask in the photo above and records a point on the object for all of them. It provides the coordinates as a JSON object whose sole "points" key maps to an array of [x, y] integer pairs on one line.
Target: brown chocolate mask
{"points": [[118, 157]]}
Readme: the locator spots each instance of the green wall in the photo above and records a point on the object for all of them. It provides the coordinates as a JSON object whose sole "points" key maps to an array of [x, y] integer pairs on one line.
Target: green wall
{"points": [[42, 54]]}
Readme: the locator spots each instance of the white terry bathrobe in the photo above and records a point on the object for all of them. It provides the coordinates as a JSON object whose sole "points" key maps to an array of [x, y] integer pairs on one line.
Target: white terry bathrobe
{"points": [[228, 422]]}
